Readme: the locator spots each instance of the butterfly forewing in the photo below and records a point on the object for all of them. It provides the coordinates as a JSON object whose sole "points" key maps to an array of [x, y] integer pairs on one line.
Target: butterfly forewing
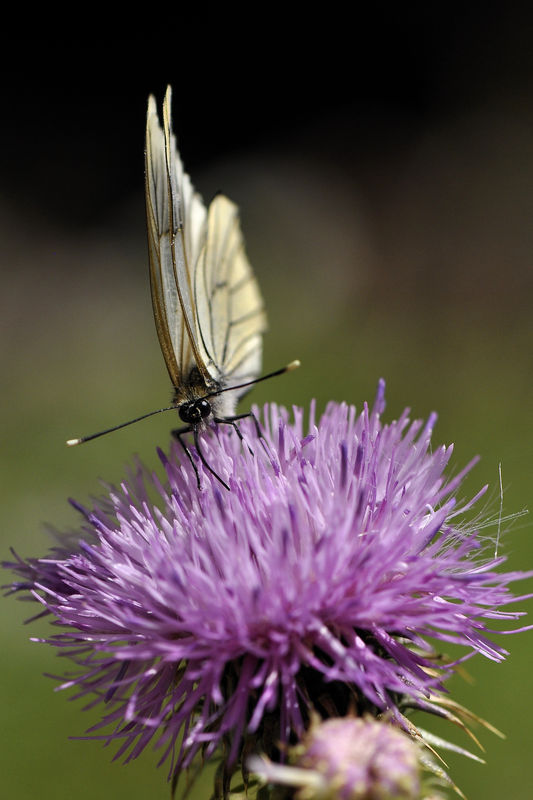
{"points": [[207, 305], [176, 232]]}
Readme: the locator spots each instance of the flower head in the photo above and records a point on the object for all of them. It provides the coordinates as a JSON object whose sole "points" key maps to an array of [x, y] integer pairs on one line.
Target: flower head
{"points": [[349, 758], [201, 616]]}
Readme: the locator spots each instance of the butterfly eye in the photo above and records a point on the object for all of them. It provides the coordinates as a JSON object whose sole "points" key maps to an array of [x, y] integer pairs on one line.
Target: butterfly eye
{"points": [[204, 407], [194, 411]]}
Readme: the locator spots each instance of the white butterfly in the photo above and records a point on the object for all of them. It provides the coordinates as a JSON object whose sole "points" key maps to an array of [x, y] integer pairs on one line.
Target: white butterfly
{"points": [[207, 305]]}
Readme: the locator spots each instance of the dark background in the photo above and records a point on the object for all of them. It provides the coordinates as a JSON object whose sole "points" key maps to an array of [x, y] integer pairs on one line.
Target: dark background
{"points": [[383, 162]]}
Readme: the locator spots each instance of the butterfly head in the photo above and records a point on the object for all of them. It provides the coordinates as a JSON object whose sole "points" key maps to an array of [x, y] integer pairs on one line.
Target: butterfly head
{"points": [[192, 412]]}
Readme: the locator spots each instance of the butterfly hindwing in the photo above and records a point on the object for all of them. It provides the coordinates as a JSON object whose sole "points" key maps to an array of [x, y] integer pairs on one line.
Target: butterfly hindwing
{"points": [[230, 310]]}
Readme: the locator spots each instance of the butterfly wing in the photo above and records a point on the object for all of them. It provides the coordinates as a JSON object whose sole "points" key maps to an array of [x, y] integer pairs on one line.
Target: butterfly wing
{"points": [[207, 305], [176, 219], [231, 317]]}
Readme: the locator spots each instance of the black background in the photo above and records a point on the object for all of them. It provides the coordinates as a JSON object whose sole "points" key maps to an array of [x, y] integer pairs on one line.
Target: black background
{"points": [[379, 74]]}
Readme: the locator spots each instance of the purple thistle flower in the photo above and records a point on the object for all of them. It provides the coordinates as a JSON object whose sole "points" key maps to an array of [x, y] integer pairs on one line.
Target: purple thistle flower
{"points": [[202, 617]]}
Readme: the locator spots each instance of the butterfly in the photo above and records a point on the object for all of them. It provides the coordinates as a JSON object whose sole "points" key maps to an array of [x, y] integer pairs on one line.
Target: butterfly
{"points": [[208, 309]]}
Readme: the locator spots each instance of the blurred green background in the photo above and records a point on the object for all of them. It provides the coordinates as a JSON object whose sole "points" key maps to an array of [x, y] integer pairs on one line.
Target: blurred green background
{"points": [[384, 171]]}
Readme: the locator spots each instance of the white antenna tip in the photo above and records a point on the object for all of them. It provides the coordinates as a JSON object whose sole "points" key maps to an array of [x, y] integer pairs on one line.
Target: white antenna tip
{"points": [[72, 442], [293, 365]]}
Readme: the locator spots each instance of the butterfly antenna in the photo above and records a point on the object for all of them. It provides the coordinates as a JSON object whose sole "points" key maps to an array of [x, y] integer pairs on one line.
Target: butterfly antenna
{"points": [[82, 439], [287, 368]]}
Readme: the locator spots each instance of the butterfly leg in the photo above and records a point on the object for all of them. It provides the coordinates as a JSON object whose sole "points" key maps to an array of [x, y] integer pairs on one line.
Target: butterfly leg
{"points": [[204, 462], [233, 420], [177, 434]]}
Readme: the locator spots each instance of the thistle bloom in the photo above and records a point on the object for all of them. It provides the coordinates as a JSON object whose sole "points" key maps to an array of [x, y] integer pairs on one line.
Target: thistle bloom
{"points": [[349, 758], [206, 617]]}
